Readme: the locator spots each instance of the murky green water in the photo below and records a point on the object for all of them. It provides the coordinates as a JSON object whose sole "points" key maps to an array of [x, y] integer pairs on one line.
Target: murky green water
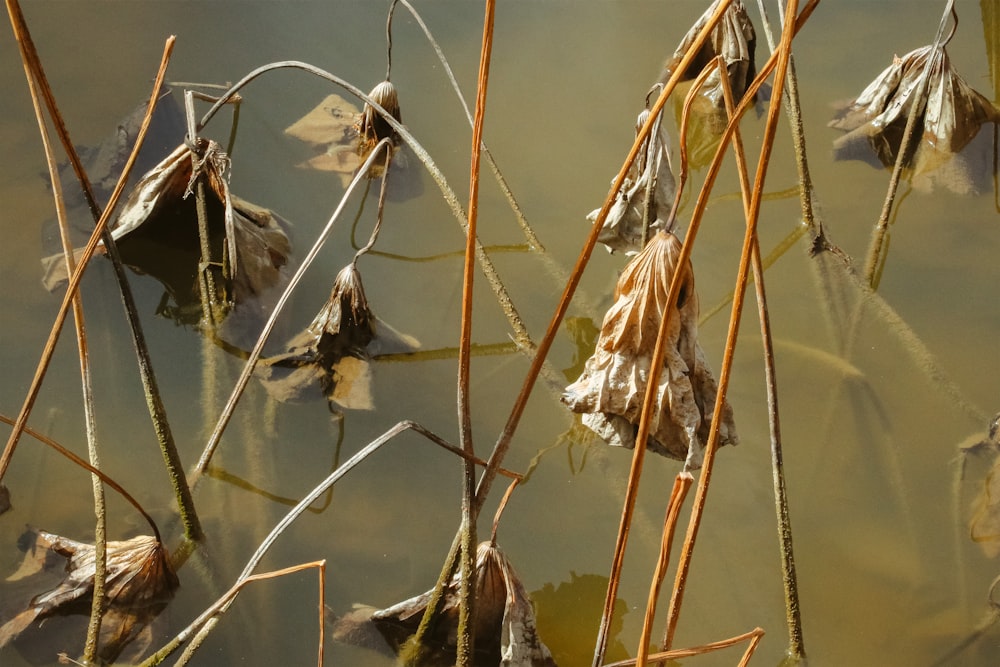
{"points": [[888, 573]]}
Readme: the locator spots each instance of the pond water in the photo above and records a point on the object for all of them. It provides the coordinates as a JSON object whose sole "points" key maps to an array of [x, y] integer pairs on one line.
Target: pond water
{"points": [[873, 414]]}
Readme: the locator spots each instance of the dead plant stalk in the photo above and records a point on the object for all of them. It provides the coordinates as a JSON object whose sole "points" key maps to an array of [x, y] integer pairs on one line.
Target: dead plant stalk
{"points": [[778, 62]]}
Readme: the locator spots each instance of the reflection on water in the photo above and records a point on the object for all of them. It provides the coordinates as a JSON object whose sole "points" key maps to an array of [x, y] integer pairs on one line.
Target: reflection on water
{"points": [[878, 394]]}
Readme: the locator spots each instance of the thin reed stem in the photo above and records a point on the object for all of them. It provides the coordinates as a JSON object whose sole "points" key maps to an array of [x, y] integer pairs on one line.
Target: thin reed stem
{"points": [[793, 616], [682, 483], [778, 62]]}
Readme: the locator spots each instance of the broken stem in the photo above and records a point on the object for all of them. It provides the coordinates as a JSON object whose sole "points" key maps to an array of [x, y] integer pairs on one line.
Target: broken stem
{"points": [[682, 483]]}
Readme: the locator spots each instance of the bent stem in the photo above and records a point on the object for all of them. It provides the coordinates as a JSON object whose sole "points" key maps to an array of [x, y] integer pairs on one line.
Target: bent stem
{"points": [[254, 357], [210, 617], [753, 637], [45, 440], [229, 596]]}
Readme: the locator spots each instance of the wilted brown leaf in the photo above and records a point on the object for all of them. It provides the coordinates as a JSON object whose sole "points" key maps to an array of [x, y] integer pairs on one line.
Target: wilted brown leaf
{"points": [[734, 39], [333, 354], [140, 581], [505, 632], [611, 390], [157, 233], [949, 117], [623, 227]]}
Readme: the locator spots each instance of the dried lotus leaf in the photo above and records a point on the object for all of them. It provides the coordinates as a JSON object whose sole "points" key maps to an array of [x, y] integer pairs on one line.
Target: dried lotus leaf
{"points": [[157, 234], [611, 390], [332, 356], [651, 172], [505, 630], [949, 118], [734, 39], [139, 582]]}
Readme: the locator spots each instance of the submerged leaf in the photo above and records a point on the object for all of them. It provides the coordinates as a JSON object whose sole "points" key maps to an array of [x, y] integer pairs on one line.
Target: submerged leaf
{"points": [[949, 116], [650, 173], [333, 354], [611, 390], [139, 582], [505, 632]]}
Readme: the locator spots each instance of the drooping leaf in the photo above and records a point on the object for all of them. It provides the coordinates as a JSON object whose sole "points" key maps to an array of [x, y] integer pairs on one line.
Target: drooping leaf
{"points": [[139, 583], [611, 390], [332, 356], [734, 39], [647, 193], [949, 118], [157, 233], [505, 631]]}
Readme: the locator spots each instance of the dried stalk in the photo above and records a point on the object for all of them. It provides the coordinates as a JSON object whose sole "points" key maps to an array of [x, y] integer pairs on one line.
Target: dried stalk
{"points": [[466, 614], [793, 616], [682, 483], [157, 412], [779, 62], [754, 637]]}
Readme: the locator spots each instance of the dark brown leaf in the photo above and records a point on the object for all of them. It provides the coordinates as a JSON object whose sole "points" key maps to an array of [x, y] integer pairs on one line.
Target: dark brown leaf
{"points": [[505, 632], [332, 356], [139, 582]]}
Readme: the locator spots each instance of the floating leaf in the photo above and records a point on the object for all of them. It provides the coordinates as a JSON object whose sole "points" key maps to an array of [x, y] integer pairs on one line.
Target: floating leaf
{"points": [[949, 118], [342, 136], [651, 172], [333, 355], [330, 127], [611, 390], [139, 582], [505, 632]]}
